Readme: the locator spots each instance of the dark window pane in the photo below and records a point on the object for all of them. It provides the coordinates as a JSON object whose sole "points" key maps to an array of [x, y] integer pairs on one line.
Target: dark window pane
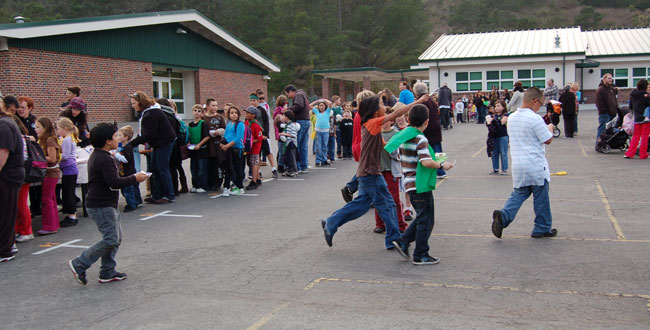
{"points": [[180, 107], [492, 83], [176, 75], [507, 84], [156, 92], [638, 72], [177, 89], [604, 71], [621, 73], [539, 83], [159, 74], [492, 75], [523, 74], [621, 82], [461, 76]]}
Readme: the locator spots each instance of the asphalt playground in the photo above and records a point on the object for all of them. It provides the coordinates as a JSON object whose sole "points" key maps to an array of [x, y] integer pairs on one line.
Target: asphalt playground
{"points": [[259, 261]]}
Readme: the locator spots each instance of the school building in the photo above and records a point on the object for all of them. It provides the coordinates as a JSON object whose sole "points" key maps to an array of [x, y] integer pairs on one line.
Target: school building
{"points": [[179, 55]]}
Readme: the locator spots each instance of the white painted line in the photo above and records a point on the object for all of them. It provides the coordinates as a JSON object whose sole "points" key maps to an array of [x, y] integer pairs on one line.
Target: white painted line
{"points": [[323, 168], [66, 244], [155, 215], [291, 179], [267, 180], [181, 215], [221, 195]]}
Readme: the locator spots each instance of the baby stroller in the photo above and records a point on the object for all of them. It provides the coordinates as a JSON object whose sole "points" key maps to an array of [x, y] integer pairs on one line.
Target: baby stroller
{"points": [[614, 136], [553, 111]]}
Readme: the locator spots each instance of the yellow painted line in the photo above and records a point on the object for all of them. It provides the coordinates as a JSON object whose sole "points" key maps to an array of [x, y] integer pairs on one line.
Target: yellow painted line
{"points": [[582, 147], [552, 238], [47, 245], [612, 218], [478, 152], [439, 182], [266, 317]]}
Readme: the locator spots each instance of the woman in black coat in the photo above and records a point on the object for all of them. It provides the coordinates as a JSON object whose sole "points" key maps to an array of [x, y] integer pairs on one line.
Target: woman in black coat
{"points": [[568, 100]]}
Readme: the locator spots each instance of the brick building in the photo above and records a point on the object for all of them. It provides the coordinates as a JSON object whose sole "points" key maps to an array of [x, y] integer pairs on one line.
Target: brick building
{"points": [[179, 55]]}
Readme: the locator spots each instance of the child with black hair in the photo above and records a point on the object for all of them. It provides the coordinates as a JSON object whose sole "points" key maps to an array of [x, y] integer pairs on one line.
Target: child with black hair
{"points": [[372, 186], [346, 128], [101, 203]]}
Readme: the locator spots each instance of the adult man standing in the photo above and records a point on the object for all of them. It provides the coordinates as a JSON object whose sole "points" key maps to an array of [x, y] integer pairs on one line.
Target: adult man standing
{"points": [[433, 132], [530, 171], [300, 108], [551, 92], [606, 104], [444, 102]]}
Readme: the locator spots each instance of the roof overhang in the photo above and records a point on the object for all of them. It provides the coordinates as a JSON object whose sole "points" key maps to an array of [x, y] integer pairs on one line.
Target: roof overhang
{"points": [[190, 19], [377, 74]]}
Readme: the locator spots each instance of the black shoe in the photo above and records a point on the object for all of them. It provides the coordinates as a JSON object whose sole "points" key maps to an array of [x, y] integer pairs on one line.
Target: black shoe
{"points": [[347, 194], [68, 222], [326, 163], [251, 186], [552, 233], [497, 223], [328, 236], [128, 209], [259, 182], [117, 276], [79, 276], [378, 230], [402, 249], [150, 200], [426, 260]]}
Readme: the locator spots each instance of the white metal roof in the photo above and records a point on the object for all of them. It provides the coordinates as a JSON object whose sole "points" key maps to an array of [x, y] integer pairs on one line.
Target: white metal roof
{"points": [[617, 42], [191, 19]]}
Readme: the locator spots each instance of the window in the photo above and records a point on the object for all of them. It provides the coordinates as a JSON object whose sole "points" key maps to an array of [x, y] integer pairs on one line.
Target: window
{"points": [[621, 75], [532, 78], [469, 81], [169, 85], [638, 74], [499, 79]]}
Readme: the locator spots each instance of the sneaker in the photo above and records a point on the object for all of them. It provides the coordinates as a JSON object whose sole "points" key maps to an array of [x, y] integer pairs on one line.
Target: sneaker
{"points": [[497, 223], [552, 233], [259, 183], [408, 214], [24, 238], [251, 186], [326, 163], [402, 249], [150, 200], [14, 249], [626, 156], [378, 230], [347, 194], [275, 173], [442, 176], [117, 276], [200, 191], [162, 201], [128, 209], [504, 173], [495, 172], [5, 259], [193, 190], [226, 192], [292, 174], [305, 171], [426, 260], [317, 164], [68, 222], [328, 236], [43, 232], [78, 275], [237, 192]]}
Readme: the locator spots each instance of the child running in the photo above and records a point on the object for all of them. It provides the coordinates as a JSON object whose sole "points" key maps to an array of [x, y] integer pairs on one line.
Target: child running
{"points": [[101, 203], [70, 136], [372, 186], [418, 165]]}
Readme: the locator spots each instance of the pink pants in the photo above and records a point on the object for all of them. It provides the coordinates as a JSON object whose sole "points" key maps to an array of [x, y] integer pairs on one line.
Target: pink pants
{"points": [[641, 131], [24, 218], [50, 218]]}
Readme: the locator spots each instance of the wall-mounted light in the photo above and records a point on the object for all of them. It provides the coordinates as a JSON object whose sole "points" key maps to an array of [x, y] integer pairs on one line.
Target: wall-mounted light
{"points": [[180, 31], [557, 69], [591, 70], [446, 74]]}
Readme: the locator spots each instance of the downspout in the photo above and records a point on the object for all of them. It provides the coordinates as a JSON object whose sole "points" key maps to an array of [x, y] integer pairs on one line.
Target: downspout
{"points": [[438, 69], [582, 78], [563, 70]]}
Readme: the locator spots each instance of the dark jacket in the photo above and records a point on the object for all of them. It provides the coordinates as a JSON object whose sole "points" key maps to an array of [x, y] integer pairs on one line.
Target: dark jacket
{"points": [[444, 96], [30, 124], [639, 102], [300, 106], [432, 132], [155, 129], [103, 180], [128, 168], [606, 100], [568, 100]]}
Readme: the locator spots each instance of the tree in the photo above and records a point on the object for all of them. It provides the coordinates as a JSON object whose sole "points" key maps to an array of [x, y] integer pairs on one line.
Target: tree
{"points": [[589, 18]]}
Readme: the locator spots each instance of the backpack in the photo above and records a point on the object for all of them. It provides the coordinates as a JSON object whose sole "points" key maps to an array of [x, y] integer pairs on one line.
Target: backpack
{"points": [[36, 164], [247, 141], [180, 127]]}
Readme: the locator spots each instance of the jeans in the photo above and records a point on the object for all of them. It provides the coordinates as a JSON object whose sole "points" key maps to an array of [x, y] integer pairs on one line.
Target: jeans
{"points": [[421, 228], [353, 184], [132, 195], [437, 147], [280, 154], [235, 171], [602, 120], [161, 179], [541, 204], [331, 147], [321, 147], [108, 223], [372, 189], [198, 168], [303, 144], [500, 152]]}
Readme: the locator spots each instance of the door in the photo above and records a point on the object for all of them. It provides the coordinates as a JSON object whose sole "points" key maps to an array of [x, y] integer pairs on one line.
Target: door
{"points": [[169, 85]]}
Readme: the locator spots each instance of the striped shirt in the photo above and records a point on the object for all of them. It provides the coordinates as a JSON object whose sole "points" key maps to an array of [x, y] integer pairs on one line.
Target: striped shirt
{"points": [[411, 153], [528, 133]]}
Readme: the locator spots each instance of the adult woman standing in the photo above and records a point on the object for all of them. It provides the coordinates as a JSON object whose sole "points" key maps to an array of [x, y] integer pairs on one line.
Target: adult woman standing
{"points": [[517, 97], [12, 176], [639, 102], [155, 130], [568, 100]]}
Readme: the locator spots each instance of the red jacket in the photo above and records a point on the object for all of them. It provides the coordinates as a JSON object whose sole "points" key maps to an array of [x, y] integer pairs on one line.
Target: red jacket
{"points": [[356, 137]]}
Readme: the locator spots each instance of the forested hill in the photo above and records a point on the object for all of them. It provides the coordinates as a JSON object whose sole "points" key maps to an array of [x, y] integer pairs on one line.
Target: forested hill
{"points": [[302, 35]]}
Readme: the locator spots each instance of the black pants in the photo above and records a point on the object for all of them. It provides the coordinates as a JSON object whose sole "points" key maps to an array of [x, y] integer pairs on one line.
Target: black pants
{"points": [[9, 207], [569, 124], [213, 173], [420, 229], [290, 158], [68, 197], [444, 117], [234, 170], [176, 168], [35, 193]]}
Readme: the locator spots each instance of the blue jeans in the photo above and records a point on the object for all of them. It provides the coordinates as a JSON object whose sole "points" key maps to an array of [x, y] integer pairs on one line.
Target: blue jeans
{"points": [[500, 152], [353, 184], [420, 229], [331, 147], [280, 154], [602, 120], [132, 195], [161, 178], [541, 204], [198, 168], [321, 147], [372, 189], [303, 144], [437, 147], [108, 223]]}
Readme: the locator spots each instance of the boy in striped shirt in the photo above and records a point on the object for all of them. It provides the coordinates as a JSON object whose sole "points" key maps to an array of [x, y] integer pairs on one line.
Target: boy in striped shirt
{"points": [[418, 165]]}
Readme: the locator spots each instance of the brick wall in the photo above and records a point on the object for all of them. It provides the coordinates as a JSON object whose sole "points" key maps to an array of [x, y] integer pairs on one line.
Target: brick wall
{"points": [[105, 83], [225, 86]]}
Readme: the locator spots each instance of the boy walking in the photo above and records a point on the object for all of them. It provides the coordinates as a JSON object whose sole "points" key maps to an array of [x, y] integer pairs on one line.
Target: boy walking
{"points": [[419, 167], [101, 203]]}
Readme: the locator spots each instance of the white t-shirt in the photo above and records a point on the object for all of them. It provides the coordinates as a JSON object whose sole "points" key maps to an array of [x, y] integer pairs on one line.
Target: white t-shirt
{"points": [[527, 133], [460, 107]]}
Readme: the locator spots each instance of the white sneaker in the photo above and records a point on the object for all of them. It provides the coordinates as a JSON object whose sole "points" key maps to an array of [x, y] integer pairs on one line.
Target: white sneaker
{"points": [[200, 191], [237, 192], [226, 192], [24, 238], [193, 190], [14, 249]]}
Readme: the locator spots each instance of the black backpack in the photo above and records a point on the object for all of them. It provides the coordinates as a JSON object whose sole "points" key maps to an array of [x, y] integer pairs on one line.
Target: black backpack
{"points": [[36, 164], [180, 128]]}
